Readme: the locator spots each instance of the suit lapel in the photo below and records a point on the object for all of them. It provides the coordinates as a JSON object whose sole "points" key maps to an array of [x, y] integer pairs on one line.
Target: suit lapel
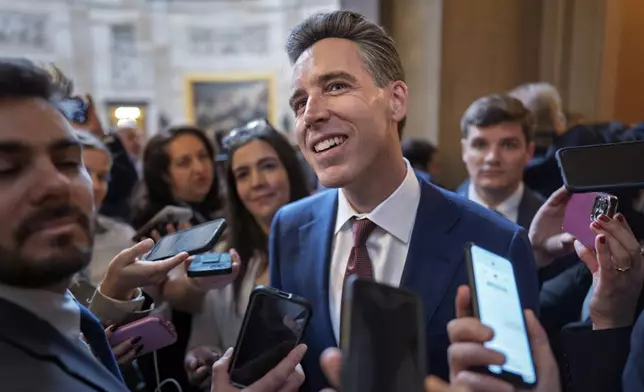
{"points": [[316, 240], [37, 337], [530, 204], [522, 217], [433, 256]]}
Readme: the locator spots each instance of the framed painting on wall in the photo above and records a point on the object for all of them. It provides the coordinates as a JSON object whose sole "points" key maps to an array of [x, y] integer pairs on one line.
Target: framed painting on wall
{"points": [[227, 101]]}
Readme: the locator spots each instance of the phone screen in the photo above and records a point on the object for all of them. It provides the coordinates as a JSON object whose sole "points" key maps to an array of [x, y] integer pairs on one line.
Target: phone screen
{"points": [[383, 341], [195, 239], [75, 109], [499, 307], [603, 167], [272, 328]]}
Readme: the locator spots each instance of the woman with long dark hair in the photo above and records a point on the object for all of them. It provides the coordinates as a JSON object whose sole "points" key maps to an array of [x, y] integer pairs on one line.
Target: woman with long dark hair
{"points": [[178, 169], [263, 175]]}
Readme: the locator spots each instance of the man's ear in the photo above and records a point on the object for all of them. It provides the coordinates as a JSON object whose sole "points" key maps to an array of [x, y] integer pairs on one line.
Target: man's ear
{"points": [[398, 100], [530, 153], [463, 149]]}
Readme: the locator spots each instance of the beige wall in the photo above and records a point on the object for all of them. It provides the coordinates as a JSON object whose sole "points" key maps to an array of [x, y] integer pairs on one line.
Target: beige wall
{"points": [[458, 50], [488, 47], [455, 51], [627, 102], [416, 26]]}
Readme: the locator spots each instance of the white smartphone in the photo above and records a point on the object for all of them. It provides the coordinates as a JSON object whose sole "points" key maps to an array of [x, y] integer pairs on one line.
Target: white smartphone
{"points": [[169, 214], [496, 302]]}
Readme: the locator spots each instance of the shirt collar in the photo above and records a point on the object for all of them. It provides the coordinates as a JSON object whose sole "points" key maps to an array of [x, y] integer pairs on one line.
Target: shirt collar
{"points": [[392, 215], [59, 310], [507, 207]]}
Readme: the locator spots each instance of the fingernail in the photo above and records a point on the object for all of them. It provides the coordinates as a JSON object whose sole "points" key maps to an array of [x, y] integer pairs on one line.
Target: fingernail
{"points": [[602, 239], [136, 340], [113, 328], [596, 225], [604, 218], [620, 217], [301, 350], [228, 353], [138, 350]]}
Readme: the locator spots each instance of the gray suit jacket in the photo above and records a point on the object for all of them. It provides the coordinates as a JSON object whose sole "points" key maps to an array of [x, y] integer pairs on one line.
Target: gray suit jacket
{"points": [[35, 357], [530, 204]]}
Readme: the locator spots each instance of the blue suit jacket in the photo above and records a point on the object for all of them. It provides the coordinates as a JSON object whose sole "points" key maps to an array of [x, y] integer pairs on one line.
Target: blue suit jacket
{"points": [[36, 357], [300, 258]]}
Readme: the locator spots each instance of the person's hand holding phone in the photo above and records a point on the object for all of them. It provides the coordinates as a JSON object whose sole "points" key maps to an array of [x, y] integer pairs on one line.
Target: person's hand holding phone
{"points": [[547, 237], [127, 272], [467, 335], [92, 122], [198, 365], [186, 294], [287, 376], [331, 363], [124, 352], [617, 265]]}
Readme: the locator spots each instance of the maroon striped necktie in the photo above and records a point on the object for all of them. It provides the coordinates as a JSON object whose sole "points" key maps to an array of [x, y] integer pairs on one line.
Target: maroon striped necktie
{"points": [[359, 260]]}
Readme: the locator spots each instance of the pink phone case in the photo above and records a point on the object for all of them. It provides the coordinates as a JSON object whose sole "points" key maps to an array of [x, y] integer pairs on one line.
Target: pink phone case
{"points": [[154, 331], [579, 216]]}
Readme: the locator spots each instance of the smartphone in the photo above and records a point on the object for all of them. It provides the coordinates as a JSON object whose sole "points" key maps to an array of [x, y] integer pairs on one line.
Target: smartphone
{"points": [[602, 167], [75, 109], [155, 332], [382, 338], [195, 240], [169, 214], [496, 302], [585, 208], [210, 264], [273, 325]]}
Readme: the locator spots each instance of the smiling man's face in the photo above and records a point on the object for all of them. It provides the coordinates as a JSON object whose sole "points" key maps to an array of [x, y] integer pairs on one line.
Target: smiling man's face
{"points": [[343, 119]]}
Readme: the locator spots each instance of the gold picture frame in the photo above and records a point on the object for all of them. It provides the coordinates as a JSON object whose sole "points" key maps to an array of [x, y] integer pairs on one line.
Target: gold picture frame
{"points": [[221, 102]]}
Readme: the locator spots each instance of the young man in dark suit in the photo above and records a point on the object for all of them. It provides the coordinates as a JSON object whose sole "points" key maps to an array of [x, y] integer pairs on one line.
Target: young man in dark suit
{"points": [[380, 222], [497, 142]]}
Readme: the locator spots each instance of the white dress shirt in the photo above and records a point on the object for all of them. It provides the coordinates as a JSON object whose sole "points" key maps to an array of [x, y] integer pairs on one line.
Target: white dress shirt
{"points": [[221, 317], [61, 311], [509, 207], [387, 245]]}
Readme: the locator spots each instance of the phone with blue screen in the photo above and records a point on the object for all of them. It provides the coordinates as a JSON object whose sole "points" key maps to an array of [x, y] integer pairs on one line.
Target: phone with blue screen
{"points": [[496, 302]]}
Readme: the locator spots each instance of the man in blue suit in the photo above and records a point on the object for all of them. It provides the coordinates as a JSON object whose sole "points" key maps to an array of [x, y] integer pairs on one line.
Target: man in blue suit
{"points": [[348, 96]]}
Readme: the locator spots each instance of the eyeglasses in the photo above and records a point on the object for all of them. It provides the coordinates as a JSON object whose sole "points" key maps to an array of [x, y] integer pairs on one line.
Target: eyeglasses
{"points": [[239, 133]]}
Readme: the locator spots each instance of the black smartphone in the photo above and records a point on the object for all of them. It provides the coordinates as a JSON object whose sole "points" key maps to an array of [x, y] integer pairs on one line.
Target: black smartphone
{"points": [[210, 264], [382, 338], [75, 109], [496, 302], [198, 239], [602, 167], [273, 325]]}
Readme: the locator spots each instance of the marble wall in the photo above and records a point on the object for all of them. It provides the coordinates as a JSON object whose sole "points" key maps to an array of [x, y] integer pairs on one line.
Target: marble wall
{"points": [[143, 51]]}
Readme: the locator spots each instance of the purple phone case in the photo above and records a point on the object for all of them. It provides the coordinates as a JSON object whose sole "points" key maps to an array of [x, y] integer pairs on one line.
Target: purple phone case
{"points": [[154, 331], [578, 218]]}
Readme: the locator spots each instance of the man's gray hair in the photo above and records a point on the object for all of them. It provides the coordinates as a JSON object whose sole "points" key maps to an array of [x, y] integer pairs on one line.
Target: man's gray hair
{"points": [[544, 100], [377, 49]]}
